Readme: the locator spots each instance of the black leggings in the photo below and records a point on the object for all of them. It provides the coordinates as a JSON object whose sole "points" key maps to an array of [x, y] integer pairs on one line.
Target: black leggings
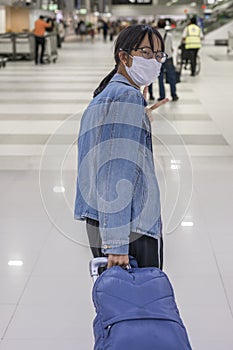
{"points": [[40, 41], [148, 251]]}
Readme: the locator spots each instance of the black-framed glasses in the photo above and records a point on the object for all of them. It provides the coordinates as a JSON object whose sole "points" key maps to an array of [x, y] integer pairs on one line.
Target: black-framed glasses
{"points": [[148, 53]]}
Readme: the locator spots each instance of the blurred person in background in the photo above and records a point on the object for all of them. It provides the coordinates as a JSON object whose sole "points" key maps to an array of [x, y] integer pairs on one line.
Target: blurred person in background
{"points": [[192, 36], [91, 32], [112, 30], [105, 31], [55, 31], [62, 30], [40, 27], [168, 66], [82, 30]]}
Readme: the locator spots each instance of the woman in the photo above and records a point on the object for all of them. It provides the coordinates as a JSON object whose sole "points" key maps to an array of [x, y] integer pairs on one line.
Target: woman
{"points": [[117, 189]]}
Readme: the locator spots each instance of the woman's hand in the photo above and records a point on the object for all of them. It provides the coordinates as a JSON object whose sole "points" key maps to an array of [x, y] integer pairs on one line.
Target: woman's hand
{"points": [[117, 260], [158, 104], [154, 106]]}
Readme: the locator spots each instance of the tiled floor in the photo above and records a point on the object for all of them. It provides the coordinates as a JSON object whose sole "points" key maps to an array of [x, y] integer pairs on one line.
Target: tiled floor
{"points": [[46, 303]]}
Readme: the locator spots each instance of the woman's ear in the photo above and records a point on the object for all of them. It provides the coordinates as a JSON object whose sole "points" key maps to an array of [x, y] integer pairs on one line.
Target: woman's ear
{"points": [[123, 57]]}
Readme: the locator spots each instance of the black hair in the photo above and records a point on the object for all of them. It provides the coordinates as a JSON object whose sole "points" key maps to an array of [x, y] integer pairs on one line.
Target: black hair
{"points": [[161, 23], [129, 38], [41, 17], [193, 20]]}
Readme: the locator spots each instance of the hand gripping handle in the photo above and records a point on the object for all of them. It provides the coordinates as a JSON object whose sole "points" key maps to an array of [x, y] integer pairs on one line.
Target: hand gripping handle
{"points": [[102, 262]]}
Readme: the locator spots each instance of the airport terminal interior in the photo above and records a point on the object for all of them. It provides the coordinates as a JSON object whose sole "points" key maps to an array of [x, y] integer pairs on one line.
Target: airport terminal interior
{"points": [[45, 285]]}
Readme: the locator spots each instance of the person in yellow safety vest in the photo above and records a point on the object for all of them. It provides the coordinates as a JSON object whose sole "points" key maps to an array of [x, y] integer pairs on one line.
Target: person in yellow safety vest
{"points": [[192, 36]]}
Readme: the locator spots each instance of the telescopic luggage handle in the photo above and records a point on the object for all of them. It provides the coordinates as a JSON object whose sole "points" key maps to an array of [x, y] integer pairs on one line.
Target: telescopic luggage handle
{"points": [[94, 266]]}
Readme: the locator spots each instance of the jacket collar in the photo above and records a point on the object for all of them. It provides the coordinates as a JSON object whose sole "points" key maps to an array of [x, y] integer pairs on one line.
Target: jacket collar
{"points": [[120, 78]]}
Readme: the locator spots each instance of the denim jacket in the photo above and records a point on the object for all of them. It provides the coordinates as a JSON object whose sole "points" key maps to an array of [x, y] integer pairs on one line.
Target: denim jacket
{"points": [[116, 183]]}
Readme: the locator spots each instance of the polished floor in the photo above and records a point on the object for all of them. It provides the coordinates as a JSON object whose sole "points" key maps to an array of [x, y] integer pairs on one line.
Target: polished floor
{"points": [[45, 301]]}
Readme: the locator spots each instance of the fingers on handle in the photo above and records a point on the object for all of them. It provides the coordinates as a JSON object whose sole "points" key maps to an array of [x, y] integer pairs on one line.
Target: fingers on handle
{"points": [[117, 260]]}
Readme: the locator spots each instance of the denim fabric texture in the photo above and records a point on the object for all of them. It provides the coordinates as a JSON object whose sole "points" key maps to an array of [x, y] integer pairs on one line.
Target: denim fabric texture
{"points": [[116, 182]]}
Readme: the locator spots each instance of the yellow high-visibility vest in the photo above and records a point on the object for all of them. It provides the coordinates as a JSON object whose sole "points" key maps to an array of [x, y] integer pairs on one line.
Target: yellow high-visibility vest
{"points": [[193, 38]]}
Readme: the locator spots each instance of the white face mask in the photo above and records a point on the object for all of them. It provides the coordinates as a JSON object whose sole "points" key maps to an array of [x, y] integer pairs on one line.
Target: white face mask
{"points": [[143, 71]]}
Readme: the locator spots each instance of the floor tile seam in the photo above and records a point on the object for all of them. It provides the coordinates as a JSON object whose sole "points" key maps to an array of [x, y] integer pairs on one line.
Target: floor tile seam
{"points": [[65, 81], [219, 157], [52, 102], [217, 265], [26, 284], [36, 117], [61, 71], [57, 90], [26, 82], [65, 139], [37, 339], [51, 128], [164, 113], [30, 151], [64, 101], [20, 146], [45, 118], [187, 127], [48, 76], [20, 68]]}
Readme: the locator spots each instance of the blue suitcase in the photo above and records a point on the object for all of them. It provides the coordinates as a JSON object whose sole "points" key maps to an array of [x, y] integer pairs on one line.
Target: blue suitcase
{"points": [[135, 310]]}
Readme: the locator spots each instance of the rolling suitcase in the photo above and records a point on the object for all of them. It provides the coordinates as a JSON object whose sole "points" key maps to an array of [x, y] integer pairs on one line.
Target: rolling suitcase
{"points": [[135, 310]]}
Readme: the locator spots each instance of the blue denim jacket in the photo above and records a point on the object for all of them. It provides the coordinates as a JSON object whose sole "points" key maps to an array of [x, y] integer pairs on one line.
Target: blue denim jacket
{"points": [[116, 183]]}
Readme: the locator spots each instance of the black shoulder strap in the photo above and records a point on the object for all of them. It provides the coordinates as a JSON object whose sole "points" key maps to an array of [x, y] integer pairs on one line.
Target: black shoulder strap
{"points": [[165, 35]]}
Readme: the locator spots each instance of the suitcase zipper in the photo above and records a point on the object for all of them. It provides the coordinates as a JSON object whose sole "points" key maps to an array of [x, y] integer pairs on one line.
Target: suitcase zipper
{"points": [[108, 330], [109, 327]]}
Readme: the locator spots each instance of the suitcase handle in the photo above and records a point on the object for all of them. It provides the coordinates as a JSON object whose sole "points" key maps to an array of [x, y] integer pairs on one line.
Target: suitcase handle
{"points": [[94, 266], [102, 262]]}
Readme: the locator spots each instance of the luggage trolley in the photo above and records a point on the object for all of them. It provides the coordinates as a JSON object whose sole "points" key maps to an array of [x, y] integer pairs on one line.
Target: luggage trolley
{"points": [[24, 46], [50, 54], [230, 42], [3, 61], [7, 48]]}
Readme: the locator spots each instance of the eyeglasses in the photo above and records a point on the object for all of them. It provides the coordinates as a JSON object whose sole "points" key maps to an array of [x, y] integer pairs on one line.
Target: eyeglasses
{"points": [[148, 53]]}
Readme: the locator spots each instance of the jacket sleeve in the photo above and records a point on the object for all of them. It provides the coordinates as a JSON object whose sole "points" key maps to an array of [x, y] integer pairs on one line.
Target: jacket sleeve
{"points": [[118, 171]]}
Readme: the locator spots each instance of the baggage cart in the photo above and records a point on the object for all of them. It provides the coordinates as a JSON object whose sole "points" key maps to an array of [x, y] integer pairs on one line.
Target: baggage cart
{"points": [[24, 46], [51, 53], [3, 61], [7, 45], [230, 42]]}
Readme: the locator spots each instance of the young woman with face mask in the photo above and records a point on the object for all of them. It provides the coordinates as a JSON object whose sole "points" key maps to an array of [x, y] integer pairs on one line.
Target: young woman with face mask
{"points": [[117, 189]]}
